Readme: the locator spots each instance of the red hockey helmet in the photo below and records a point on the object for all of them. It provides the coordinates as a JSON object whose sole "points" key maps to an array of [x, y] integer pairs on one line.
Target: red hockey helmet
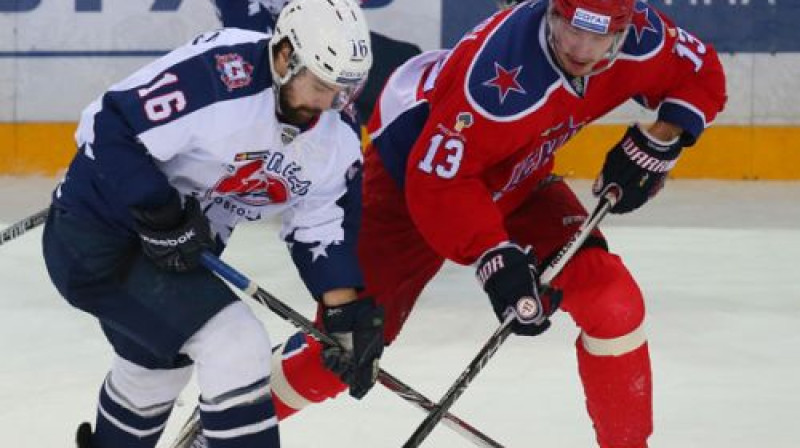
{"points": [[598, 16]]}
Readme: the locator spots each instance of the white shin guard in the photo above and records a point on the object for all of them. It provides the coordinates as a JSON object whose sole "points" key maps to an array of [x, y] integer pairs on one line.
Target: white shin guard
{"points": [[232, 350], [140, 388]]}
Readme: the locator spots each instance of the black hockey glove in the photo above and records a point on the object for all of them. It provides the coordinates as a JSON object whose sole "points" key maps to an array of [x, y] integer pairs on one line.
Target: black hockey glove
{"points": [[358, 326], [508, 275], [173, 236], [638, 167]]}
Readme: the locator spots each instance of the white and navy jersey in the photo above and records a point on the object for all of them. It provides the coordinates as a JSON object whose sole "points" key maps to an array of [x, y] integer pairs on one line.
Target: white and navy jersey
{"points": [[201, 120]]}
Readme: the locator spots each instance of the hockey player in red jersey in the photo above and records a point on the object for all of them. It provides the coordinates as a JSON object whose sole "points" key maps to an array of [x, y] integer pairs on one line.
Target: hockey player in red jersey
{"points": [[463, 143]]}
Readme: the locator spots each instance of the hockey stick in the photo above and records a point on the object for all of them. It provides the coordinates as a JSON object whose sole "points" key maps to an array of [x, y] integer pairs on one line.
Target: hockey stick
{"points": [[189, 431], [284, 311], [504, 330], [18, 228]]}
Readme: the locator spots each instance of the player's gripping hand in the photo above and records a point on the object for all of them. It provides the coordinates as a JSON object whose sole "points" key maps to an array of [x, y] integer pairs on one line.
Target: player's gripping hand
{"points": [[637, 166], [508, 275], [358, 326], [174, 236]]}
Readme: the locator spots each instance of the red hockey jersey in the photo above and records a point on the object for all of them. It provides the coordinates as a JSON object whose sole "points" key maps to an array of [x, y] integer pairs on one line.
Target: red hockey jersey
{"points": [[468, 133]]}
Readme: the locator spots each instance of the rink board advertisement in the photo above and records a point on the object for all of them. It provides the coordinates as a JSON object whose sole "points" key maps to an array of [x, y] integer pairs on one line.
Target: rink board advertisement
{"points": [[47, 78]]}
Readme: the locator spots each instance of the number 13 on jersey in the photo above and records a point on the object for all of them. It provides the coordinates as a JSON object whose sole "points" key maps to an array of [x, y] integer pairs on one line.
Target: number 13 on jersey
{"points": [[446, 166]]}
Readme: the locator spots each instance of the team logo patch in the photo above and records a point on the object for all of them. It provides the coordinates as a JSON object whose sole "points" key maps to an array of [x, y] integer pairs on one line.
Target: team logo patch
{"points": [[234, 71], [463, 121], [268, 179], [253, 185], [589, 21]]}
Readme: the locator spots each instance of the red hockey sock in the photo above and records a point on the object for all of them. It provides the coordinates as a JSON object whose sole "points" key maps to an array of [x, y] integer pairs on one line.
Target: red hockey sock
{"points": [[299, 378], [618, 395]]}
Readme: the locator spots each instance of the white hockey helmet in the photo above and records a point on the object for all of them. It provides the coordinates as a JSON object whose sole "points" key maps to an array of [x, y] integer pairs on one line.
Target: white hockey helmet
{"points": [[330, 38]]}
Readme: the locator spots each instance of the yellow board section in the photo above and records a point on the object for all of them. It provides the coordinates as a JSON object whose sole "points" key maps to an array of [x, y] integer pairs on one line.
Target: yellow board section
{"points": [[724, 152], [36, 148]]}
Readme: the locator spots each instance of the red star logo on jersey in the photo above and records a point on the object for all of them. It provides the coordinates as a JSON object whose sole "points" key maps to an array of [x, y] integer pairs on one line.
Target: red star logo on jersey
{"points": [[505, 81], [641, 21]]}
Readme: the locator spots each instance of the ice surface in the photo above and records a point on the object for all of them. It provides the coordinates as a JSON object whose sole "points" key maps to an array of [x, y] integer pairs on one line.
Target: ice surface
{"points": [[716, 260]]}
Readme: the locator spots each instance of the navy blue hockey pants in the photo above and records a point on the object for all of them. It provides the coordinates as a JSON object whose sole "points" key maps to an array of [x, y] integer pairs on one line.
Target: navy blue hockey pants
{"points": [[146, 313]]}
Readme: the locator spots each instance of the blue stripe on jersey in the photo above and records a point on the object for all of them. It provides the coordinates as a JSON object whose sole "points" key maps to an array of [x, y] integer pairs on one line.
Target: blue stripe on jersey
{"points": [[508, 76], [324, 268], [692, 124], [111, 175], [395, 142], [201, 80]]}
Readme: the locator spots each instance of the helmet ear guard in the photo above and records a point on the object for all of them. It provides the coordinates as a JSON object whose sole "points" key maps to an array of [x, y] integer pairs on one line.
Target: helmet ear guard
{"points": [[295, 66], [329, 38]]}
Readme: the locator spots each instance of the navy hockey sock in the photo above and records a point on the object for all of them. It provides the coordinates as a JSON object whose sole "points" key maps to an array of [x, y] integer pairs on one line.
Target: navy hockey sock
{"points": [[243, 418], [119, 423]]}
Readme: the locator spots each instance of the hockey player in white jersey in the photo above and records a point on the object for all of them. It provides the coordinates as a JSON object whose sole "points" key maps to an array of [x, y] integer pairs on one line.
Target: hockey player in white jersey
{"points": [[234, 126]]}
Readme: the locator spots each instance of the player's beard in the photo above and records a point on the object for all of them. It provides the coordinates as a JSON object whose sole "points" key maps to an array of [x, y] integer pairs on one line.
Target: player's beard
{"points": [[295, 115]]}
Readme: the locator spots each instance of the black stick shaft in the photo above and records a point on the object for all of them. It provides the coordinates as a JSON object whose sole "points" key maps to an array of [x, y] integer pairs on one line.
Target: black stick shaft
{"points": [[249, 287], [20, 227]]}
